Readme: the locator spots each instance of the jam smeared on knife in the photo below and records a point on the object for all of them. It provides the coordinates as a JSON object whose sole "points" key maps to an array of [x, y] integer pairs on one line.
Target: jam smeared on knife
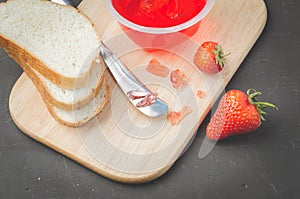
{"points": [[147, 98], [136, 94]]}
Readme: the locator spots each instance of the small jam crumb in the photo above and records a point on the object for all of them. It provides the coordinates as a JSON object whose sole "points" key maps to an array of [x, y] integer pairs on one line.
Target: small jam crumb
{"points": [[176, 117], [156, 68], [200, 94], [178, 79]]}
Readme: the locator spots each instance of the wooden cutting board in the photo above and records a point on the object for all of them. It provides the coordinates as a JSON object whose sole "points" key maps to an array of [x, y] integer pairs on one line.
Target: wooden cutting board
{"points": [[121, 143]]}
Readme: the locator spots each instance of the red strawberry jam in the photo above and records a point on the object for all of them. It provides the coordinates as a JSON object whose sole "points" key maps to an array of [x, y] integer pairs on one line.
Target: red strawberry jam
{"points": [[158, 13]]}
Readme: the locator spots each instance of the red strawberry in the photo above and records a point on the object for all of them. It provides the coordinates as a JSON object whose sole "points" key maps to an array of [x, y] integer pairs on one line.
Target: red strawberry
{"points": [[209, 57], [237, 113]]}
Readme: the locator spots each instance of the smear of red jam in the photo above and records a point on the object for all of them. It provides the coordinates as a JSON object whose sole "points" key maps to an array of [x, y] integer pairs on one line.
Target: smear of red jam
{"points": [[176, 117], [200, 94], [136, 94], [178, 79], [158, 13], [147, 100], [156, 68]]}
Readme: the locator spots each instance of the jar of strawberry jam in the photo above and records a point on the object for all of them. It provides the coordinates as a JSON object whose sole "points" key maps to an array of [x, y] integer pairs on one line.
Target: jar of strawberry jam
{"points": [[156, 23]]}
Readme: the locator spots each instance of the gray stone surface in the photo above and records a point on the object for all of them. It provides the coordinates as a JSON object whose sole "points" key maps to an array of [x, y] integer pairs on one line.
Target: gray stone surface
{"points": [[264, 164]]}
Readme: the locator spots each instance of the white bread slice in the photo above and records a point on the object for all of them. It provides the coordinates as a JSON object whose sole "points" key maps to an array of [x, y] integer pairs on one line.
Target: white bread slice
{"points": [[66, 98], [78, 117], [74, 98], [57, 41]]}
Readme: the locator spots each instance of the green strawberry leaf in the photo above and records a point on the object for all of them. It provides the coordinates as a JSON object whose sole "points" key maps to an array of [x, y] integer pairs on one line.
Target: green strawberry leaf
{"points": [[220, 56], [252, 94]]}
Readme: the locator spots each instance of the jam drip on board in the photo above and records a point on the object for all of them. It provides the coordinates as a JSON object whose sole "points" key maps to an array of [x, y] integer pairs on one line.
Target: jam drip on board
{"points": [[176, 117]]}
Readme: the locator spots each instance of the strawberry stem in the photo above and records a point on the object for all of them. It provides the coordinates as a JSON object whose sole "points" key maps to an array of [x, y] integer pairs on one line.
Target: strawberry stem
{"points": [[220, 56], [252, 94]]}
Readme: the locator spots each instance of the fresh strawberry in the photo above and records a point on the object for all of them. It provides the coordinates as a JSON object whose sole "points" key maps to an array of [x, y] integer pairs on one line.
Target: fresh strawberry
{"points": [[209, 57], [237, 113]]}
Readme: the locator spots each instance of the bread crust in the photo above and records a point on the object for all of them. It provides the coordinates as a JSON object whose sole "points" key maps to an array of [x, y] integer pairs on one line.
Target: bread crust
{"points": [[28, 58], [82, 122], [32, 65], [46, 94]]}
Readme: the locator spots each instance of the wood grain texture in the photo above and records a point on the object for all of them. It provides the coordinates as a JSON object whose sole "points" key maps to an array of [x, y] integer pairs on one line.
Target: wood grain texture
{"points": [[121, 143]]}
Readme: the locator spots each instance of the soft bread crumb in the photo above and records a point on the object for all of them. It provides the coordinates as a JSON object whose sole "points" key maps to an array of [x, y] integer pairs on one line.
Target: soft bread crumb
{"points": [[85, 113], [73, 96], [57, 35]]}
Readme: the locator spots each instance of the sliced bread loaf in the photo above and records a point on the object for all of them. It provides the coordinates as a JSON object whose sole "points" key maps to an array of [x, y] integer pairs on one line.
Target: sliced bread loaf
{"points": [[57, 41], [78, 117], [66, 98]]}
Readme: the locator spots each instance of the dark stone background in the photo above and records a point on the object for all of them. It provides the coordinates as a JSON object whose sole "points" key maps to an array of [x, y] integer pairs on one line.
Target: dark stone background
{"points": [[264, 164]]}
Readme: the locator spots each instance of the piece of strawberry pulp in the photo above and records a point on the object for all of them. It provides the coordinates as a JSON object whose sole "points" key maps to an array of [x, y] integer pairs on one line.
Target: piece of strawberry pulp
{"points": [[151, 6], [237, 113], [169, 8]]}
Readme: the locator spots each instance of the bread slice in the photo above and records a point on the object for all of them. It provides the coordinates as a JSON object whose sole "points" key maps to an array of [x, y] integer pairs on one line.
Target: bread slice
{"points": [[66, 98], [78, 117], [57, 41], [74, 98]]}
